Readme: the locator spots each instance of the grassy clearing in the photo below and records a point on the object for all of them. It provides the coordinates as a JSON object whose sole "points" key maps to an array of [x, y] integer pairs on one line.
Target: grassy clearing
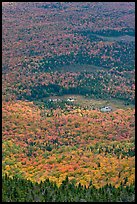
{"points": [[117, 38], [90, 103], [94, 103], [80, 68]]}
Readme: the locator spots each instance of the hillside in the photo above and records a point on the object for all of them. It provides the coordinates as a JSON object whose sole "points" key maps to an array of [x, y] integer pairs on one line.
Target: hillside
{"points": [[44, 42], [36, 143], [62, 62]]}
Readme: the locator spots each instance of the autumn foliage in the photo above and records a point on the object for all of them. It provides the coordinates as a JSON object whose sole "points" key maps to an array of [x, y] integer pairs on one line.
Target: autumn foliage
{"points": [[57, 49], [83, 144]]}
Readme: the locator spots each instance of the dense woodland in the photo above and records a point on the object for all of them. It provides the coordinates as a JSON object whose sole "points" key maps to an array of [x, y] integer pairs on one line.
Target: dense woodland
{"points": [[36, 142], [42, 53], [65, 151], [20, 190]]}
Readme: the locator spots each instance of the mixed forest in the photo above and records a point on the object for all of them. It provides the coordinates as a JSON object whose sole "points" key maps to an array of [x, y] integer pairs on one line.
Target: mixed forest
{"points": [[55, 149]]}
